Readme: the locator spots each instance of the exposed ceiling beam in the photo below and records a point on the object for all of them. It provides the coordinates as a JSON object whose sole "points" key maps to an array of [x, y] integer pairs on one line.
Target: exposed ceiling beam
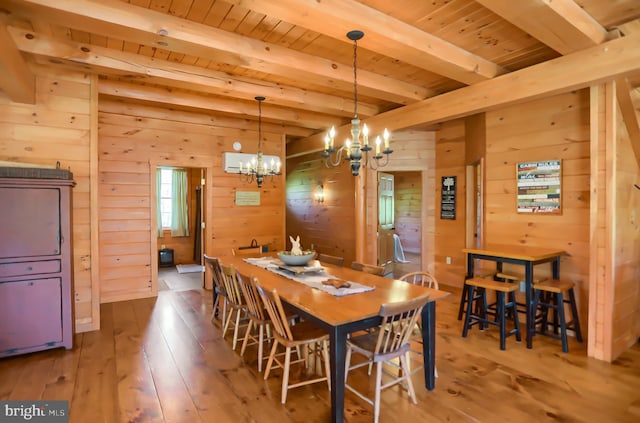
{"points": [[384, 34], [629, 115], [124, 21], [219, 104], [142, 68], [16, 79], [629, 28], [201, 121], [561, 24], [611, 60]]}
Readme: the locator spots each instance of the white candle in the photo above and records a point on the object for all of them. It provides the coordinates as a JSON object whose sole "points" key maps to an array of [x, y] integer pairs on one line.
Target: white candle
{"points": [[378, 142], [386, 139], [332, 135], [365, 134], [347, 146]]}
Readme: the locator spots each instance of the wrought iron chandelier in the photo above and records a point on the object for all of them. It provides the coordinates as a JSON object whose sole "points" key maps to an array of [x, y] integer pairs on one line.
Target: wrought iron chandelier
{"points": [[257, 169], [353, 150]]}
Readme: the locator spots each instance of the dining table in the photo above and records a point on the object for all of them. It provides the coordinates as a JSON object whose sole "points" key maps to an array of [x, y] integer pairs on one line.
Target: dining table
{"points": [[340, 315], [524, 255]]}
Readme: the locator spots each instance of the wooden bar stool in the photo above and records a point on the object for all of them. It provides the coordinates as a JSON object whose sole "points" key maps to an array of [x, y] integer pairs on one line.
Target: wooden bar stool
{"points": [[464, 297], [549, 295], [477, 288]]}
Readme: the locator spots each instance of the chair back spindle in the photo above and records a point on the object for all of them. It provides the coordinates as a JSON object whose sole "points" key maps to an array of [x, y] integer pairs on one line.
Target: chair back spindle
{"points": [[422, 278], [255, 305], [398, 321], [276, 312]]}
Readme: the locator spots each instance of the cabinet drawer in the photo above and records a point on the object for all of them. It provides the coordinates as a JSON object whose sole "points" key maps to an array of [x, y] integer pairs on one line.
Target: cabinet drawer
{"points": [[29, 268], [31, 315]]}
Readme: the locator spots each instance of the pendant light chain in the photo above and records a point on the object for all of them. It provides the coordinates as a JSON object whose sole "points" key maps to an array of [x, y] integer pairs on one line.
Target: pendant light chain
{"points": [[259, 124], [355, 78]]}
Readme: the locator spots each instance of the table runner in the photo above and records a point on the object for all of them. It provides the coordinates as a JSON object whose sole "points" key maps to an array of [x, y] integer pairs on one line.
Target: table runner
{"points": [[312, 280]]}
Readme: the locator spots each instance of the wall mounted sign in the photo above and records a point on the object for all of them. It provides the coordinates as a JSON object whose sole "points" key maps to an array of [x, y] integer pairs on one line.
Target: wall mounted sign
{"points": [[247, 198], [448, 200], [539, 187]]}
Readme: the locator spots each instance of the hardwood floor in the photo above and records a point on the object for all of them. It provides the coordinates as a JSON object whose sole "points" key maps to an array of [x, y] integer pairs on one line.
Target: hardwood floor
{"points": [[413, 265], [179, 281], [161, 359]]}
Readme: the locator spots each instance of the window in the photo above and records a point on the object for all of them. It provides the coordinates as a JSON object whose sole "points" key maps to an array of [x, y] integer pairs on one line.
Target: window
{"points": [[172, 205], [165, 196]]}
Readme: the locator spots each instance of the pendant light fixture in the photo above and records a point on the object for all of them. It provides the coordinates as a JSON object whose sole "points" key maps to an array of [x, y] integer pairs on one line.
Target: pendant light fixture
{"points": [[257, 169], [356, 150]]}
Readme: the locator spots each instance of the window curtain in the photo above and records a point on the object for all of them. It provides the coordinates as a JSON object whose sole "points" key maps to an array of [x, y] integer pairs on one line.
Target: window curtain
{"points": [[179, 206], [159, 202]]}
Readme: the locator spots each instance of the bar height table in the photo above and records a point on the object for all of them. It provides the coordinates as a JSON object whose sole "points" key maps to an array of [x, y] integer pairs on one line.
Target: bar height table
{"points": [[522, 255]]}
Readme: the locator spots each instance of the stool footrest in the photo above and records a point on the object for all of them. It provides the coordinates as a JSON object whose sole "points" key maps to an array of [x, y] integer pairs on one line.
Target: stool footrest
{"points": [[518, 277]]}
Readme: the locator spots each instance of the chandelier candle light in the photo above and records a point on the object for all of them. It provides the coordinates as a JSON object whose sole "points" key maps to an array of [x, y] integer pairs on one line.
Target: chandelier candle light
{"points": [[353, 149], [257, 168]]}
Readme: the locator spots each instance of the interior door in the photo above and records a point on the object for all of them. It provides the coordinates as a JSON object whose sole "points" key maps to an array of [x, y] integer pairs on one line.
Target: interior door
{"points": [[386, 218]]}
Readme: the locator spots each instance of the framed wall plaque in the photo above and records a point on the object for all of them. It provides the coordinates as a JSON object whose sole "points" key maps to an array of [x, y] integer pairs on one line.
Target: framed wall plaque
{"points": [[448, 200], [247, 198], [539, 186]]}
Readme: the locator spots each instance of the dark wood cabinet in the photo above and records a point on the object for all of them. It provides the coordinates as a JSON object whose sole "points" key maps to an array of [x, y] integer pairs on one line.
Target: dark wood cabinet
{"points": [[36, 275]]}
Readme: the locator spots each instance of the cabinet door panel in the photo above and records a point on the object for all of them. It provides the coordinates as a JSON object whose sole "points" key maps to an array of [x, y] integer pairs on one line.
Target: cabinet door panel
{"points": [[30, 314], [30, 224]]}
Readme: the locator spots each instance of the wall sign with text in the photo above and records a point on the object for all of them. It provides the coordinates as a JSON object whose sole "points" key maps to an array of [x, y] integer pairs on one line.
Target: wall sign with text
{"points": [[448, 201], [539, 187], [247, 198]]}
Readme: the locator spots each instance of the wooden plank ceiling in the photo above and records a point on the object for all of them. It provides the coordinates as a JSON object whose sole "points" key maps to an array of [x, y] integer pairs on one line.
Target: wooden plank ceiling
{"points": [[205, 55]]}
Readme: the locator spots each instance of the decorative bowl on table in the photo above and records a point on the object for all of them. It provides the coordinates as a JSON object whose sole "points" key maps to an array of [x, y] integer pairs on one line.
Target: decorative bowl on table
{"points": [[296, 260]]}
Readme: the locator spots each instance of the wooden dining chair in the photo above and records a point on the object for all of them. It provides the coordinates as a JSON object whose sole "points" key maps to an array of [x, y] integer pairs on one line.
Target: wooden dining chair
{"points": [[301, 335], [218, 291], [385, 343], [424, 279], [237, 305], [326, 258], [368, 268], [258, 318]]}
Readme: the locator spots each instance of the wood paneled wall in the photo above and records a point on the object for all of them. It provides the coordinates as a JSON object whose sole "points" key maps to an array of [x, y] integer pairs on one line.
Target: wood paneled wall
{"points": [[328, 225], [626, 318], [58, 127], [331, 225], [134, 139], [408, 209], [555, 128], [413, 151], [450, 234], [602, 106]]}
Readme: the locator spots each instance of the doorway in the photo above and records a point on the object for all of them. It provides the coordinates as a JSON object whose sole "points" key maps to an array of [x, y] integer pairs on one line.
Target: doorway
{"points": [[475, 201], [186, 248], [400, 220]]}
